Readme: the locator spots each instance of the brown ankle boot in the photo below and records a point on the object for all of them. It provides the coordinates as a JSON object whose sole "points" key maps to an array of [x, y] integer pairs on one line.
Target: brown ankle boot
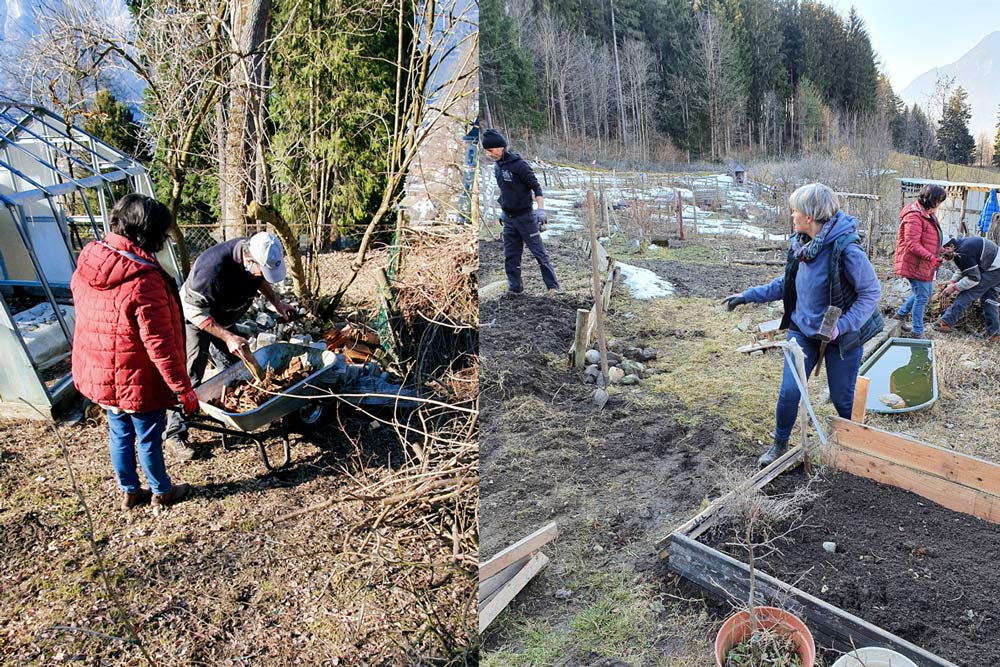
{"points": [[136, 498], [176, 494]]}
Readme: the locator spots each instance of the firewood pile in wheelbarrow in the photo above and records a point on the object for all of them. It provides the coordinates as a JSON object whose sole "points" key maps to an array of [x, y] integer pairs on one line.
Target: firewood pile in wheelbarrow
{"points": [[247, 394]]}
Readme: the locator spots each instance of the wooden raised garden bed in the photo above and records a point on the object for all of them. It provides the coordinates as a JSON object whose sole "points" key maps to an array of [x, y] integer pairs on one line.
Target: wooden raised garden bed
{"points": [[956, 481]]}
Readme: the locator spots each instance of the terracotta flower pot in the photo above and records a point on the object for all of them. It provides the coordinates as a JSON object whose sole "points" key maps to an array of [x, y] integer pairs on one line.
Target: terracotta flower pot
{"points": [[737, 628]]}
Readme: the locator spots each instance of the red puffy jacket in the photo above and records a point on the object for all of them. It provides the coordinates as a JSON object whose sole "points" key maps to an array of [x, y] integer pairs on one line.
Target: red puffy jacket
{"points": [[128, 343], [918, 245]]}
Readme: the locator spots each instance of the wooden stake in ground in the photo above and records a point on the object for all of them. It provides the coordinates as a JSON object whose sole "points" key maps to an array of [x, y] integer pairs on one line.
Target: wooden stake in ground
{"points": [[860, 399], [596, 271]]}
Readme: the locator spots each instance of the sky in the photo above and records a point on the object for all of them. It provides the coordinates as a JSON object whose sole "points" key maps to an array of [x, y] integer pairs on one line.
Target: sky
{"points": [[911, 37]]}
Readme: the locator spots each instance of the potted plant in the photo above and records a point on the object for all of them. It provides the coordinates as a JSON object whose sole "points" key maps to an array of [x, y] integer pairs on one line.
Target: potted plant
{"points": [[762, 636]]}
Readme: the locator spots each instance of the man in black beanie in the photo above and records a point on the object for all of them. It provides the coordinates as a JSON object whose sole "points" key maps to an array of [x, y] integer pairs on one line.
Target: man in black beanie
{"points": [[521, 225]]}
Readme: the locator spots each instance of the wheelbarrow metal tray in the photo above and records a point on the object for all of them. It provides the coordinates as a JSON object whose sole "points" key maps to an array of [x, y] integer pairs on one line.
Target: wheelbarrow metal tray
{"points": [[276, 356]]}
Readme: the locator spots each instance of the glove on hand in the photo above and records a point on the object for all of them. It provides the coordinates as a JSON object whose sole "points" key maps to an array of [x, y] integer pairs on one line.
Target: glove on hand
{"points": [[189, 402], [937, 261], [836, 332], [734, 300], [541, 216]]}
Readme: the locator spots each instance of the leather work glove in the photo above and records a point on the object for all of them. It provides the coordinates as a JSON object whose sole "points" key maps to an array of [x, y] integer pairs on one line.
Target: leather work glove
{"points": [[734, 300], [189, 402]]}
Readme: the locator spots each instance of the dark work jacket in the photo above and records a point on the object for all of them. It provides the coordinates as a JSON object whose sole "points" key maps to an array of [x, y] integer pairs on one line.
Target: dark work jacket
{"points": [[517, 183], [219, 286], [973, 256]]}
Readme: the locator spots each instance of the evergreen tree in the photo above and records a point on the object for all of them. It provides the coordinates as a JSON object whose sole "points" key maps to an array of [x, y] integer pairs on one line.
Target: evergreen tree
{"points": [[893, 109], [955, 143], [996, 144], [507, 83], [858, 74], [112, 122], [331, 88]]}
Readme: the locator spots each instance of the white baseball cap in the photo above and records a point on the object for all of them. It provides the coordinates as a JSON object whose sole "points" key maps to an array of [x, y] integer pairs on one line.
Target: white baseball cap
{"points": [[267, 251]]}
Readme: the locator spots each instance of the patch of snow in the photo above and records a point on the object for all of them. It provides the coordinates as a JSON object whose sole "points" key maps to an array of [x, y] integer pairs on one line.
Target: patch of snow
{"points": [[643, 283]]}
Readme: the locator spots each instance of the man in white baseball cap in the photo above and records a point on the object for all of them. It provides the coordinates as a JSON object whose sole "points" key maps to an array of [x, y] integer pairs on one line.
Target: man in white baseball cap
{"points": [[218, 291]]}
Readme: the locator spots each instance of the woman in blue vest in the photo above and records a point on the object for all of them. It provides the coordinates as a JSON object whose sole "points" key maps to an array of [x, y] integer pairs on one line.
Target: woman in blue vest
{"points": [[826, 266]]}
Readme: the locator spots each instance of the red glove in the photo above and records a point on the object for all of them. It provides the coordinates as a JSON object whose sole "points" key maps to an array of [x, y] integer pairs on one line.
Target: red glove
{"points": [[937, 261], [189, 402]]}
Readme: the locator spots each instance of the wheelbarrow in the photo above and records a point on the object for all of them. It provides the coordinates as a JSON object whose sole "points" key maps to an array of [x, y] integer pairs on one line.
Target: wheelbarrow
{"points": [[268, 419]]}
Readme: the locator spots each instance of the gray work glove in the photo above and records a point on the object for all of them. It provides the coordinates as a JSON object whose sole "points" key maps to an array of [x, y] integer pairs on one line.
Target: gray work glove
{"points": [[542, 218]]}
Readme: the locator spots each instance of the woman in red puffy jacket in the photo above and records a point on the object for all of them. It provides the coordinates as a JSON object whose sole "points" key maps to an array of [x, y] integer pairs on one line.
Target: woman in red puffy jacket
{"points": [[128, 345], [918, 253]]}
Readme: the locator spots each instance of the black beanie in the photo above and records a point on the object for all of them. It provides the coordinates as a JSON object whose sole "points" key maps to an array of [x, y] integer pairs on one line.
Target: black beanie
{"points": [[493, 139]]}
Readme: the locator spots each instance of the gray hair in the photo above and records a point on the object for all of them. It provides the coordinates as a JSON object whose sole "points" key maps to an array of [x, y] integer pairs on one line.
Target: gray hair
{"points": [[816, 201]]}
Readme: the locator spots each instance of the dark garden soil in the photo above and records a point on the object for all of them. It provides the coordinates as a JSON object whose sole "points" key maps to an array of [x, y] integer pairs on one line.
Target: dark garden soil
{"points": [[612, 479], [904, 563]]}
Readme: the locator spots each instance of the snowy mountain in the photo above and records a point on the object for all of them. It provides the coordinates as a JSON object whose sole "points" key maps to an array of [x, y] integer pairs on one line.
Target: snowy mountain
{"points": [[978, 72], [22, 20]]}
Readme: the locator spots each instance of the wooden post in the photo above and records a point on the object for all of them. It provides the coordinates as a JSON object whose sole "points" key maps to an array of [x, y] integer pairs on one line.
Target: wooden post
{"points": [[961, 216], [581, 338], [680, 214], [595, 270], [860, 400]]}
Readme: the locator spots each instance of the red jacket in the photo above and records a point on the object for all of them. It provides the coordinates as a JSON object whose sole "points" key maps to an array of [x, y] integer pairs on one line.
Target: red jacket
{"points": [[128, 343], [918, 245]]}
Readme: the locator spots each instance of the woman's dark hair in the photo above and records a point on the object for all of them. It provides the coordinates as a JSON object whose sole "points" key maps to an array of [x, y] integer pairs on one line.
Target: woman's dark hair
{"points": [[931, 195], [142, 220]]}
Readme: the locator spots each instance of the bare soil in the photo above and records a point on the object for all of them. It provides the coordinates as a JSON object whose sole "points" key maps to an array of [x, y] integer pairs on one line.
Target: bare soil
{"points": [[904, 563], [612, 479], [348, 557]]}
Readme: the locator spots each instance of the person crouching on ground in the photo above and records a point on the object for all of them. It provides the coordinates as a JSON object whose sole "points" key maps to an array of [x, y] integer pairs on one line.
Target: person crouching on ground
{"points": [[128, 344], [826, 266], [918, 254], [521, 225], [977, 277]]}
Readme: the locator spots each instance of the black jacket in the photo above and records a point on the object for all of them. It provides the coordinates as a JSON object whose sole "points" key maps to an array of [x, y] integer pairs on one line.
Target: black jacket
{"points": [[219, 286], [517, 183], [974, 255]]}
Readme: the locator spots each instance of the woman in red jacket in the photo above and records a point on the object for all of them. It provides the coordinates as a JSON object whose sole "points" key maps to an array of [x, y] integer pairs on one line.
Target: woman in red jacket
{"points": [[128, 345], [918, 253]]}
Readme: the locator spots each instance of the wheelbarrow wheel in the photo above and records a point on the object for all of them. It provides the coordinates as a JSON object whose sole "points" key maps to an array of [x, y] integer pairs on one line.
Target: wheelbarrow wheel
{"points": [[305, 420]]}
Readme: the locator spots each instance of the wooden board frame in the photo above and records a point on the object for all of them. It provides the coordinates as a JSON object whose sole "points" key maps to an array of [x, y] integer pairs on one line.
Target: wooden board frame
{"points": [[960, 482]]}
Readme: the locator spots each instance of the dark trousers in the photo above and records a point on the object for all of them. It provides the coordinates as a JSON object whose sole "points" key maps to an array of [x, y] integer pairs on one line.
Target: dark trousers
{"points": [[202, 347], [986, 291], [520, 231]]}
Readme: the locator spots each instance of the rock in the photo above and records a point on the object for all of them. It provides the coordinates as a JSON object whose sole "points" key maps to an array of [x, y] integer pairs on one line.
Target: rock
{"points": [[900, 286], [598, 549], [591, 373], [629, 379], [744, 324], [264, 321], [632, 352], [645, 513], [265, 339], [300, 340], [647, 354], [592, 357], [830, 547], [615, 345], [614, 358], [892, 400], [635, 244], [563, 594], [615, 374], [632, 367], [600, 398], [757, 353]]}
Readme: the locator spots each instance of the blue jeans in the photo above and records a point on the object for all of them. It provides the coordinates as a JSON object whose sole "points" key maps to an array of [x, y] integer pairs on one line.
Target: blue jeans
{"points": [[142, 431], [921, 294], [841, 373]]}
